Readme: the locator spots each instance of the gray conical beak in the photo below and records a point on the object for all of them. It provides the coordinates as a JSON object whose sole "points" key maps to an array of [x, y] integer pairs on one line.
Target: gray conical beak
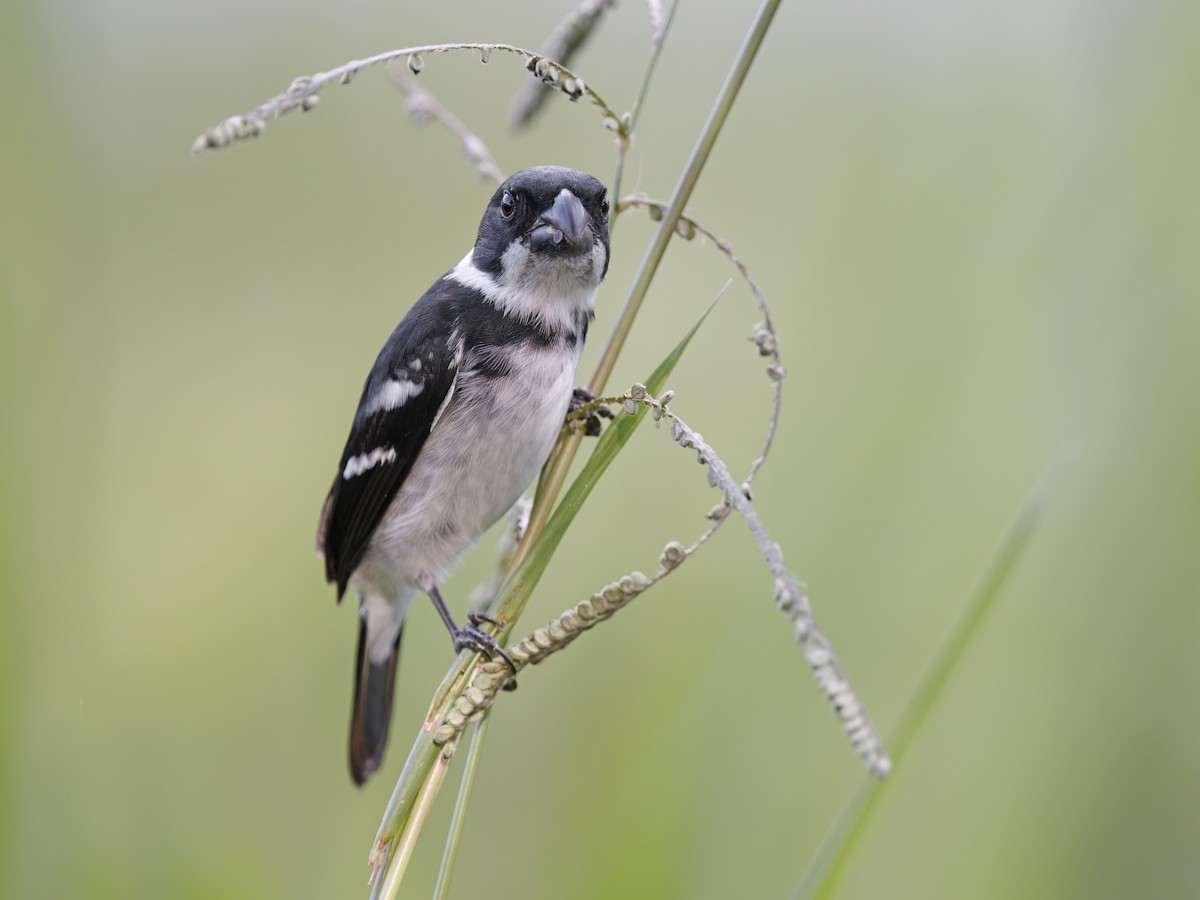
{"points": [[567, 216]]}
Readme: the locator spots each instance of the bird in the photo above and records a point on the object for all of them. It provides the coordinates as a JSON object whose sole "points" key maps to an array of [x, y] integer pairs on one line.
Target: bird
{"points": [[457, 416]]}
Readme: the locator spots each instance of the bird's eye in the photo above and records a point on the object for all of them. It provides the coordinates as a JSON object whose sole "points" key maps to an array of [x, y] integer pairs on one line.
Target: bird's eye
{"points": [[604, 205], [508, 203]]}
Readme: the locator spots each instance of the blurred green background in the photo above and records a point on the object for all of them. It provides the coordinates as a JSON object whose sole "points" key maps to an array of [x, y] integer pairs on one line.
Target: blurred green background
{"points": [[978, 224]]}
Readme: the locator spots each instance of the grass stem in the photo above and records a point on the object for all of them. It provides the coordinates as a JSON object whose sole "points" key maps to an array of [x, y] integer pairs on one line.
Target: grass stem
{"points": [[643, 88], [442, 889], [406, 841]]}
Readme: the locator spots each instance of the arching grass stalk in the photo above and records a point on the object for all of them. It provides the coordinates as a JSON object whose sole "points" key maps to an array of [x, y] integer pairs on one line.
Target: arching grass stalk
{"points": [[830, 866], [304, 92]]}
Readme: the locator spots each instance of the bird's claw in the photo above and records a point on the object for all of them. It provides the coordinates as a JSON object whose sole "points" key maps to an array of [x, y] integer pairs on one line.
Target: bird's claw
{"points": [[580, 397], [476, 618], [472, 637]]}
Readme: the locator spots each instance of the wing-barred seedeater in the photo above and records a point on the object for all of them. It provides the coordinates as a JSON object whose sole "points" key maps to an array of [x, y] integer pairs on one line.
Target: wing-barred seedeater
{"points": [[457, 416]]}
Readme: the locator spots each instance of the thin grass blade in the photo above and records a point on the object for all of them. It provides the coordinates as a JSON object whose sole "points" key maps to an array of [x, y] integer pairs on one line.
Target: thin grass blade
{"points": [[830, 867]]}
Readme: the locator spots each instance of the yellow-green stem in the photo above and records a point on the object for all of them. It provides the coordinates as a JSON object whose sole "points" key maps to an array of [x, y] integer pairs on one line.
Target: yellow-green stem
{"points": [[406, 841]]}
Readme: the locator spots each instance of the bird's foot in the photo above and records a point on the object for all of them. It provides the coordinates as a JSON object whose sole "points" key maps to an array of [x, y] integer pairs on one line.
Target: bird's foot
{"points": [[472, 637], [580, 397]]}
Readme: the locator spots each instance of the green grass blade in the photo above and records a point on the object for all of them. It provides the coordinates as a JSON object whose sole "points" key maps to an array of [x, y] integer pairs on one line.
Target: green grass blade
{"points": [[830, 867]]}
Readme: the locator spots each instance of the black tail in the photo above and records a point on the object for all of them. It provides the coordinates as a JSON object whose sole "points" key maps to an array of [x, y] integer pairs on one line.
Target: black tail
{"points": [[373, 686]]}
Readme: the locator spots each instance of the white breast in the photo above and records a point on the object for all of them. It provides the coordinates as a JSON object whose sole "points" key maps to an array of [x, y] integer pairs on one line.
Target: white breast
{"points": [[485, 450]]}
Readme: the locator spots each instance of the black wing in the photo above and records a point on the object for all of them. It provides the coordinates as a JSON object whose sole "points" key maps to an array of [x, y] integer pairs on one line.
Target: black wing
{"points": [[409, 384]]}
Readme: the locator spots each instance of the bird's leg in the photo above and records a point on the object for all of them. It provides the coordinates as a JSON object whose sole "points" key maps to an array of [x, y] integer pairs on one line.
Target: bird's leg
{"points": [[470, 636], [580, 397]]}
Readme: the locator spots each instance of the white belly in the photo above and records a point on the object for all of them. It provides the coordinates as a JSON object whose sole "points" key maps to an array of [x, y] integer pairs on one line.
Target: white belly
{"points": [[483, 453]]}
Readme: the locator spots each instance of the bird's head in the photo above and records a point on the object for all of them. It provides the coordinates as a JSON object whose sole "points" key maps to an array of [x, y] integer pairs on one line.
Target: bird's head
{"points": [[545, 230]]}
